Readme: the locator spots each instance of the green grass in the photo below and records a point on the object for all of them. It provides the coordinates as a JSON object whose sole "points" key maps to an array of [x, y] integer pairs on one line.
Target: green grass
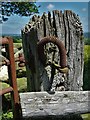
{"points": [[17, 45], [21, 82], [22, 87], [86, 80], [86, 116], [86, 53], [86, 74], [7, 116], [87, 41]]}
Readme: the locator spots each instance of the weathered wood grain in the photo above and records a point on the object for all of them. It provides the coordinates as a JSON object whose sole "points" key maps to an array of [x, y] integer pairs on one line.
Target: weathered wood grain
{"points": [[68, 28], [41, 104]]}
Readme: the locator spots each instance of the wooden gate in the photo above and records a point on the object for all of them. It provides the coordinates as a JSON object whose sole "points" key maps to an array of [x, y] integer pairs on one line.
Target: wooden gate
{"points": [[10, 62]]}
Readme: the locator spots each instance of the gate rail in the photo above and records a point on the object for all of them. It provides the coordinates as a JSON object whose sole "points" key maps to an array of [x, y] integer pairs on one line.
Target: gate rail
{"points": [[8, 42]]}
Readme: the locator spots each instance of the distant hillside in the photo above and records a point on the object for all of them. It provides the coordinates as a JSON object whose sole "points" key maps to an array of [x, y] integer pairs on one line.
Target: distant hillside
{"points": [[87, 34], [16, 37], [87, 38], [10, 35]]}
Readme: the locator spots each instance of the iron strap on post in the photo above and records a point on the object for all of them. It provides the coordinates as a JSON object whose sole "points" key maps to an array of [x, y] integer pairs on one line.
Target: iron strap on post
{"points": [[51, 39]]}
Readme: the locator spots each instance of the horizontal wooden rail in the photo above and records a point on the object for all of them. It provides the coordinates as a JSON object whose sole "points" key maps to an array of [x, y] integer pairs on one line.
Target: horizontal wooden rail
{"points": [[42, 104]]}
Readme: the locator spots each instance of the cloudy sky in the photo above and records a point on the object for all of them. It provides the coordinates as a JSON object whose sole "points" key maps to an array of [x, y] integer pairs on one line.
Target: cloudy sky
{"points": [[16, 23]]}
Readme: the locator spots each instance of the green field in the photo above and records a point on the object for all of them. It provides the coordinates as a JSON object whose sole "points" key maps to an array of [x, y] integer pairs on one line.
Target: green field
{"points": [[86, 67]]}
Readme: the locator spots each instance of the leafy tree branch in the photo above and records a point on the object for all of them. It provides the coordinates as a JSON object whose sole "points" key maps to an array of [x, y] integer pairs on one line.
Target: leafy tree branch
{"points": [[19, 8]]}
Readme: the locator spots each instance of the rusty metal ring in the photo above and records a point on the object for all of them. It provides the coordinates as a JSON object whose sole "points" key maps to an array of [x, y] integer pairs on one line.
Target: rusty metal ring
{"points": [[55, 41]]}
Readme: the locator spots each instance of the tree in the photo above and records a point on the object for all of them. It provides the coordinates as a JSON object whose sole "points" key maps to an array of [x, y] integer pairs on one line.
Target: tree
{"points": [[19, 8]]}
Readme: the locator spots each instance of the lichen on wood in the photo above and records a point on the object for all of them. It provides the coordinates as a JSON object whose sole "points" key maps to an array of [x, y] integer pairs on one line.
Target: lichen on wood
{"points": [[66, 26], [65, 103]]}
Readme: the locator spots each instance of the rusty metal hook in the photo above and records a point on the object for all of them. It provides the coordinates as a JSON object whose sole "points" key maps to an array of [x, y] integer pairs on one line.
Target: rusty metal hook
{"points": [[62, 67]]}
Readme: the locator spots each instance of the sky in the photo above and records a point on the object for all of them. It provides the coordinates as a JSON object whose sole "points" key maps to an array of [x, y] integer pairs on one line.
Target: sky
{"points": [[16, 23]]}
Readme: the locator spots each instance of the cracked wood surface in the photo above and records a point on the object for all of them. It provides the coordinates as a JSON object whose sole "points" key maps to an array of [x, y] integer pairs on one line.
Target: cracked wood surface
{"points": [[66, 26], [40, 104]]}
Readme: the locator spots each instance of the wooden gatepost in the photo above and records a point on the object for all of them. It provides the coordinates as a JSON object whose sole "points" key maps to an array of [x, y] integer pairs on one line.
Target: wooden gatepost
{"points": [[53, 49]]}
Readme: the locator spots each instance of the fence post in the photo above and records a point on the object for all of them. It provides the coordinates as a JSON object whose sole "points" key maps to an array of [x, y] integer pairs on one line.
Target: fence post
{"points": [[66, 27]]}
